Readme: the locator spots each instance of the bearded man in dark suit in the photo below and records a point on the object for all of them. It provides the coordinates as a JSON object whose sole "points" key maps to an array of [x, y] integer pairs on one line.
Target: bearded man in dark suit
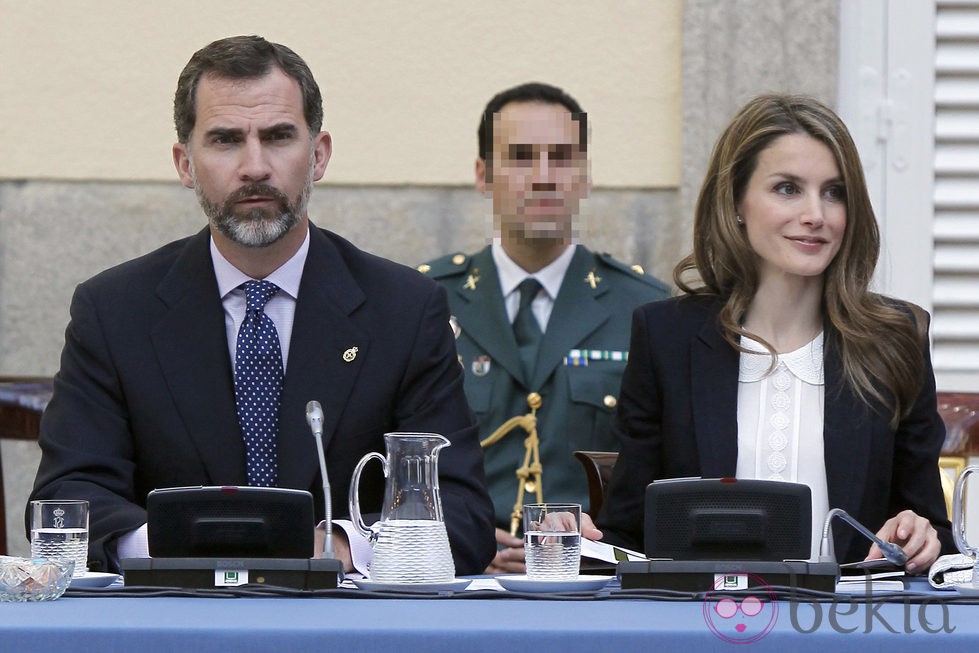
{"points": [[149, 393]]}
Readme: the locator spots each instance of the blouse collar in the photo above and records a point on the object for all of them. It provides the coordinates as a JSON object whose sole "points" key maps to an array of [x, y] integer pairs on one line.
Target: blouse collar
{"points": [[806, 362]]}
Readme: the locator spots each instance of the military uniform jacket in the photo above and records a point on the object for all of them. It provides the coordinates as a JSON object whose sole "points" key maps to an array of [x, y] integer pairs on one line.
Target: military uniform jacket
{"points": [[578, 372]]}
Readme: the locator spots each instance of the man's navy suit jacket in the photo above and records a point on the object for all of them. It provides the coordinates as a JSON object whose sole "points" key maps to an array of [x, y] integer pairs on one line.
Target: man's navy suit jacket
{"points": [[145, 395]]}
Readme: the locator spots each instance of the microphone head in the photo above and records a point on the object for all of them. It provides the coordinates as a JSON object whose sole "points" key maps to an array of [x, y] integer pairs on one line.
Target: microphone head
{"points": [[314, 415], [894, 553]]}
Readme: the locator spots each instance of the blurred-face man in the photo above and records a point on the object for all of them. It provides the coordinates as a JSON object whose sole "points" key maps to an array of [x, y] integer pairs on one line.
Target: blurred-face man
{"points": [[537, 174]]}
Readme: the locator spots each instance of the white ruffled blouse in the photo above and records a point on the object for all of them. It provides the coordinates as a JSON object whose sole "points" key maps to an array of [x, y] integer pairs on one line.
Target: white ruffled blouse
{"points": [[780, 421]]}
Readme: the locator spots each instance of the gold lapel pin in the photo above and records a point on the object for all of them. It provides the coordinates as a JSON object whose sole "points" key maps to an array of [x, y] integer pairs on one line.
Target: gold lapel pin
{"points": [[350, 354], [592, 279]]}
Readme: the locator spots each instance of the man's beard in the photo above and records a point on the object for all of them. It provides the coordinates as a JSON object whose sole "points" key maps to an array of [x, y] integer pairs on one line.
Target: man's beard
{"points": [[255, 227]]}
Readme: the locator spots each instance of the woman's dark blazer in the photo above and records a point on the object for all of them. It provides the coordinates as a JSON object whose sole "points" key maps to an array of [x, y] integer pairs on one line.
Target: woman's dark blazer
{"points": [[677, 417]]}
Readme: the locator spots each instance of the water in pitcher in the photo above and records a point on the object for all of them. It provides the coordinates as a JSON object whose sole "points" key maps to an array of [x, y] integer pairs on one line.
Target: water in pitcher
{"points": [[412, 551]]}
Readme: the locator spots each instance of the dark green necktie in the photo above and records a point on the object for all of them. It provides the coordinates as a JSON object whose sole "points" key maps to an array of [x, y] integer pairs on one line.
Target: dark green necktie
{"points": [[526, 329]]}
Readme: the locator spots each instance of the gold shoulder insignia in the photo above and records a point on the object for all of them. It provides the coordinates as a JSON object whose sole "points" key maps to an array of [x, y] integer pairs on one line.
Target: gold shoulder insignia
{"points": [[592, 279]]}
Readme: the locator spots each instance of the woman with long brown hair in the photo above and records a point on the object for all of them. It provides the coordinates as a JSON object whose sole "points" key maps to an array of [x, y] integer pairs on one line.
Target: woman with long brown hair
{"points": [[777, 361]]}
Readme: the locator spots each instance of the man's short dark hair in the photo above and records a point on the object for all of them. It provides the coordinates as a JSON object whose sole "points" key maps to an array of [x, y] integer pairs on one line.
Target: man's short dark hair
{"points": [[243, 57], [530, 92]]}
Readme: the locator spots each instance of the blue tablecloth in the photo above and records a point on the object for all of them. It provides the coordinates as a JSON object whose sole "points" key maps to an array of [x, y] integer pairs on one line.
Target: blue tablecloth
{"points": [[297, 625]]}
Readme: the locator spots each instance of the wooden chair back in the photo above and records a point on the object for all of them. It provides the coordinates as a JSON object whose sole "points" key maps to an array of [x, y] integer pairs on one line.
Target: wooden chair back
{"points": [[22, 400]]}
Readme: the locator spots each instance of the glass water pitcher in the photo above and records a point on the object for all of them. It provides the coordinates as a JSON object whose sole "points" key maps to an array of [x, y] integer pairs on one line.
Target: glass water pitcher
{"points": [[410, 541]]}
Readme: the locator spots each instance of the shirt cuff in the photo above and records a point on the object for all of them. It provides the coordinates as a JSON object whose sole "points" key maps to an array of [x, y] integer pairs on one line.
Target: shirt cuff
{"points": [[133, 544], [361, 553]]}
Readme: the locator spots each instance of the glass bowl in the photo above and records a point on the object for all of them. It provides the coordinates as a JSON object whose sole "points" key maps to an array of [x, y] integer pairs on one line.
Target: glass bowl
{"points": [[40, 579]]}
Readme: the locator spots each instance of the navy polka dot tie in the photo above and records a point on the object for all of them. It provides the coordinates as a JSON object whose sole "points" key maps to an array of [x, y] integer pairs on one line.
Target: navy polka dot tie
{"points": [[258, 384]]}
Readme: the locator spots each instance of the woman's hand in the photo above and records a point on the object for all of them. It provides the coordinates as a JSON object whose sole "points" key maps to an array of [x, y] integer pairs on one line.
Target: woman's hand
{"points": [[915, 535]]}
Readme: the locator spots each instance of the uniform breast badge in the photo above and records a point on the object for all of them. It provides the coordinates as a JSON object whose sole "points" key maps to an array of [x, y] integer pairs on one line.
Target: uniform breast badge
{"points": [[581, 357], [481, 365]]}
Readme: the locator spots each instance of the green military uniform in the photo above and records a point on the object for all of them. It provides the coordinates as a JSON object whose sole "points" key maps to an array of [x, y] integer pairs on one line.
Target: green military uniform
{"points": [[578, 372]]}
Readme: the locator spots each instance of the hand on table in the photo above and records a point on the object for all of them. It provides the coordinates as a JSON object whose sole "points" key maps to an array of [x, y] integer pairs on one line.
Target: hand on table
{"points": [[341, 548], [588, 529], [915, 535], [510, 558]]}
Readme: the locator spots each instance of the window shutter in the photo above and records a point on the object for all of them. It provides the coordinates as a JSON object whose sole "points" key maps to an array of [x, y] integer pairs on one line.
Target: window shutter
{"points": [[955, 327]]}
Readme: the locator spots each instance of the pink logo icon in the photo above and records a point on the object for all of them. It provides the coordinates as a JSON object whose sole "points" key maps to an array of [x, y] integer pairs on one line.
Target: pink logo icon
{"points": [[740, 619]]}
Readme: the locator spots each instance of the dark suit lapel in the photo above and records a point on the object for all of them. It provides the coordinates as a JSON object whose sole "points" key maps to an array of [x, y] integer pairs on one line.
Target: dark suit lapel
{"points": [[317, 368], [482, 316], [714, 400], [576, 314], [192, 348], [846, 435]]}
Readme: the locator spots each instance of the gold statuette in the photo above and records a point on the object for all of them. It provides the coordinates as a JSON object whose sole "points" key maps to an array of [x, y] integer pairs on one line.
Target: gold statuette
{"points": [[530, 472]]}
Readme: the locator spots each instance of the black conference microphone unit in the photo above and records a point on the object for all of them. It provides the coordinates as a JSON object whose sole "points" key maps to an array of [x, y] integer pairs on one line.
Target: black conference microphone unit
{"points": [[227, 536], [727, 533]]}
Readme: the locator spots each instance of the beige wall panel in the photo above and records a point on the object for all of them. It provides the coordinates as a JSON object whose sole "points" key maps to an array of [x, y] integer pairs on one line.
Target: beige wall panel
{"points": [[87, 88]]}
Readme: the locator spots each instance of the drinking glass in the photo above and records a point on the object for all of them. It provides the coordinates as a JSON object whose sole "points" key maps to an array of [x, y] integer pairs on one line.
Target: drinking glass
{"points": [[59, 531], [552, 540]]}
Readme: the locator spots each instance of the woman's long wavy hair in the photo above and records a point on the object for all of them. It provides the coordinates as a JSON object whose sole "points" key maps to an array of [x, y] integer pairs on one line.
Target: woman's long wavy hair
{"points": [[878, 342]]}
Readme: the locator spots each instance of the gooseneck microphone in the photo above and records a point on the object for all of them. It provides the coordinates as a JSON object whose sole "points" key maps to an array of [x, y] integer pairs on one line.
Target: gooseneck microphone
{"points": [[893, 552], [314, 417]]}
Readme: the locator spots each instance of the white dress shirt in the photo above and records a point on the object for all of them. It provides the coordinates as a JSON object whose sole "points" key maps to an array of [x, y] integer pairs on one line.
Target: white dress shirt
{"points": [[550, 278], [780, 422], [281, 307]]}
